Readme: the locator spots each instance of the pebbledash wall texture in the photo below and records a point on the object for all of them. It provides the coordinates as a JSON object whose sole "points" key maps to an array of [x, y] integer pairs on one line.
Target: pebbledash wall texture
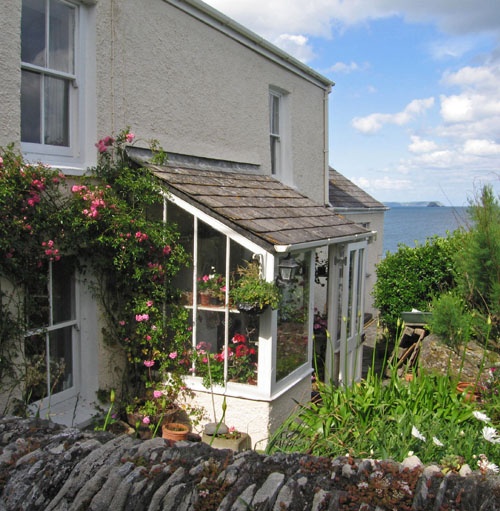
{"points": [[46, 467]]}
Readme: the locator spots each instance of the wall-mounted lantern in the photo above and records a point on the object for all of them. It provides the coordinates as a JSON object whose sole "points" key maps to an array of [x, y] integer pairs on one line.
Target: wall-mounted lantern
{"points": [[287, 268]]}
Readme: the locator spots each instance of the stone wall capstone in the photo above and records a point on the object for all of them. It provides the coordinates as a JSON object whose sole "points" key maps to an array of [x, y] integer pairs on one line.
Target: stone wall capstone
{"points": [[44, 466]]}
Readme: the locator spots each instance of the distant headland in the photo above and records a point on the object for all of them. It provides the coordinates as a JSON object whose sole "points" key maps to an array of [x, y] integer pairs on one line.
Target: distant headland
{"points": [[420, 204]]}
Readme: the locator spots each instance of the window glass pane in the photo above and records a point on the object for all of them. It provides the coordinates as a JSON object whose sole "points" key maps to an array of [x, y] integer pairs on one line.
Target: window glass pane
{"points": [[61, 359], [241, 352], [36, 367], [36, 300], [56, 111], [292, 342], [275, 114], [33, 32], [211, 259], [184, 223], [61, 33], [31, 107], [243, 348], [63, 291]]}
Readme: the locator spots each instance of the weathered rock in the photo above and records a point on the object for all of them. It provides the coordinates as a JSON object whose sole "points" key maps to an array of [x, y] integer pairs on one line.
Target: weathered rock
{"points": [[46, 467], [437, 358]]}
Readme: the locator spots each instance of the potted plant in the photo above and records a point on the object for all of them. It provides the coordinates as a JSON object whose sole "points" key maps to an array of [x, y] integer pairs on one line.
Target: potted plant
{"points": [[219, 436], [211, 288], [175, 431], [251, 293]]}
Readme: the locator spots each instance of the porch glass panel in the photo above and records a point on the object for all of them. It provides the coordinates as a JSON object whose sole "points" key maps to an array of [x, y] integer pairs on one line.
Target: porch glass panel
{"points": [[293, 322]]}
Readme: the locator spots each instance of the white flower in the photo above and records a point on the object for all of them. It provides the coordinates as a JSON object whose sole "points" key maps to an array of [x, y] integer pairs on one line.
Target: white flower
{"points": [[491, 435], [481, 416], [437, 442], [485, 465], [416, 433]]}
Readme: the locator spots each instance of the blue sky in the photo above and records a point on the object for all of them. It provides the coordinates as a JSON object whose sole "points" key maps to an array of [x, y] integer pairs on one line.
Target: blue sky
{"points": [[415, 112]]}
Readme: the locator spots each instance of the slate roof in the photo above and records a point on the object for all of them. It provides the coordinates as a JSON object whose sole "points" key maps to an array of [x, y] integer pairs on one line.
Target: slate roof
{"points": [[259, 207], [345, 194]]}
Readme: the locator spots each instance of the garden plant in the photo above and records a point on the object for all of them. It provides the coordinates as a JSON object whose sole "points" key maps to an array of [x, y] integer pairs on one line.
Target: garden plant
{"points": [[105, 225]]}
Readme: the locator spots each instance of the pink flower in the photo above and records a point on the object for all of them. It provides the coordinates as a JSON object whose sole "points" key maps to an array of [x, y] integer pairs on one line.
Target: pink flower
{"points": [[121, 323], [149, 363], [166, 250], [157, 394], [141, 317], [103, 144], [1, 162], [173, 355], [146, 420], [149, 303], [129, 137], [141, 236]]}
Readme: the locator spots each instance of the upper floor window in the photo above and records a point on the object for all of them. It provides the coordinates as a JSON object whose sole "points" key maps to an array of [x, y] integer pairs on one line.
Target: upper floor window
{"points": [[56, 107], [280, 136], [48, 71], [275, 131]]}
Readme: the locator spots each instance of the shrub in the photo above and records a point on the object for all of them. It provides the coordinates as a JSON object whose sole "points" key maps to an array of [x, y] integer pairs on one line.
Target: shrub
{"points": [[450, 320], [412, 277], [479, 261]]}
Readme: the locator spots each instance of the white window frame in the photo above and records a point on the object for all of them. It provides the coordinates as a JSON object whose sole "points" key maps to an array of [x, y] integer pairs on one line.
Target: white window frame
{"points": [[280, 136], [52, 399], [80, 154]]}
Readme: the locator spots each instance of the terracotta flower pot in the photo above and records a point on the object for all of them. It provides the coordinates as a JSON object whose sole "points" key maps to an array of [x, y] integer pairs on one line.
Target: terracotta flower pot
{"points": [[472, 391], [174, 431], [204, 298]]}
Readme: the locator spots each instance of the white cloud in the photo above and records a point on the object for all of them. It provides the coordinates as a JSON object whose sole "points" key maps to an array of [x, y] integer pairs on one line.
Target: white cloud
{"points": [[382, 184], [296, 45], [320, 17], [479, 77], [374, 122], [481, 147], [456, 108], [419, 145], [342, 67]]}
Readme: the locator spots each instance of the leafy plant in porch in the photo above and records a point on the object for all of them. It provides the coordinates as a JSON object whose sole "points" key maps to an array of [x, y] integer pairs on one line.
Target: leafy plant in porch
{"points": [[251, 291]]}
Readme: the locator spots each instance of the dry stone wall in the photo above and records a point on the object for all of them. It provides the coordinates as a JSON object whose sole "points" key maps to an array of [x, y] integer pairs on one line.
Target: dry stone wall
{"points": [[47, 467]]}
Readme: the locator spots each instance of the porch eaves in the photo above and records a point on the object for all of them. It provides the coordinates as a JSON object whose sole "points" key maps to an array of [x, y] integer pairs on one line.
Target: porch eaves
{"points": [[272, 215]]}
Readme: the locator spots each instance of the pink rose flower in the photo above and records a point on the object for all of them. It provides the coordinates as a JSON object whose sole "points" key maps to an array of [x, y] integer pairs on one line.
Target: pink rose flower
{"points": [[146, 420], [157, 394], [149, 363], [173, 355]]}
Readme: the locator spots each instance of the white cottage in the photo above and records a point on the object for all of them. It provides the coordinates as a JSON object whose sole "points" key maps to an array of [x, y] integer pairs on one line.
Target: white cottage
{"points": [[245, 125]]}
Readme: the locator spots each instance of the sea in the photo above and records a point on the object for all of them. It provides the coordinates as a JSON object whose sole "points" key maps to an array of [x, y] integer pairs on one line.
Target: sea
{"points": [[411, 225]]}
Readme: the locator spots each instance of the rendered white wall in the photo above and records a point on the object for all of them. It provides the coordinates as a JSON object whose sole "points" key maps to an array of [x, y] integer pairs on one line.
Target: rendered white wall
{"points": [[10, 57], [259, 419], [173, 78]]}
